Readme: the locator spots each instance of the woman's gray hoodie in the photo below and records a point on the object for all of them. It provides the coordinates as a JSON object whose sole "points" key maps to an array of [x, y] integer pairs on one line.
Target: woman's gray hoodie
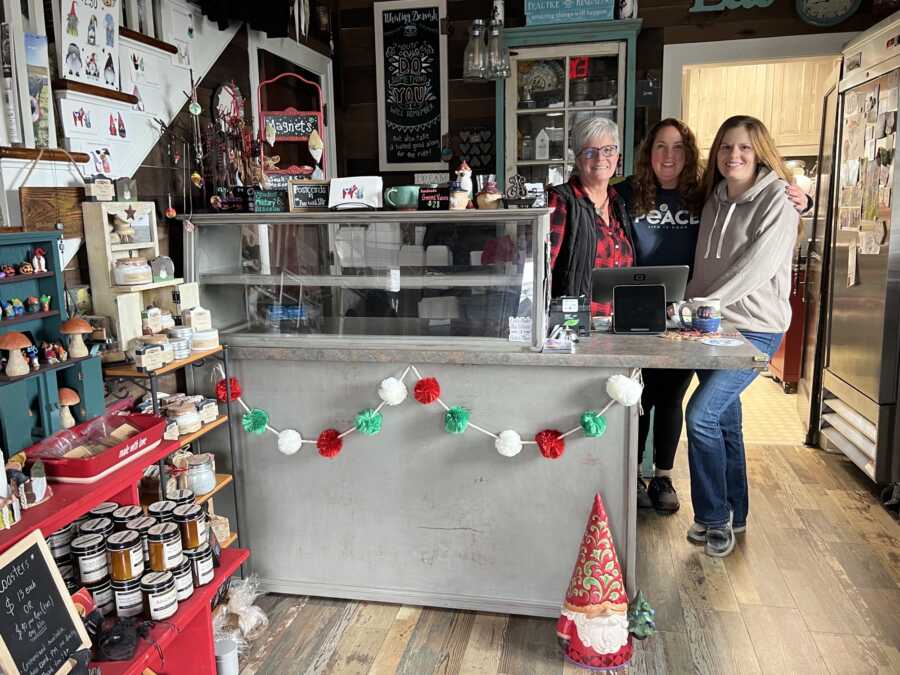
{"points": [[744, 253]]}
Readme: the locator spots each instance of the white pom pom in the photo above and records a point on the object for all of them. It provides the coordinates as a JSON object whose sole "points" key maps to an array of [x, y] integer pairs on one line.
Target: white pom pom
{"points": [[624, 390], [392, 391], [508, 443], [289, 441]]}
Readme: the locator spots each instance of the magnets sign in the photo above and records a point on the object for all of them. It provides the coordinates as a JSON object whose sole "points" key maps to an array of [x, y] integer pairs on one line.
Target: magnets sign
{"points": [[411, 71]]}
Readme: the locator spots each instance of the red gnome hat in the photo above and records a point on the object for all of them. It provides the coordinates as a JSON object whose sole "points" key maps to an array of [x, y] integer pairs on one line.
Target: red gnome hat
{"points": [[593, 625]]}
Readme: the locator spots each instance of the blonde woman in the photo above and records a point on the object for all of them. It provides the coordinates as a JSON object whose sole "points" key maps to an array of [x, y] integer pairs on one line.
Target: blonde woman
{"points": [[748, 229]]}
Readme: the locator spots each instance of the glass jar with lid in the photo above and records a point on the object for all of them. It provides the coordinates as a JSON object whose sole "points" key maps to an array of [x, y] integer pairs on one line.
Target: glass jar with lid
{"points": [[201, 474], [132, 271]]}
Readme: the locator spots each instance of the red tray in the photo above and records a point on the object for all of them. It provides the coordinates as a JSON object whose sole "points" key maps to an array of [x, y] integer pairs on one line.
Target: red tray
{"points": [[91, 469]]}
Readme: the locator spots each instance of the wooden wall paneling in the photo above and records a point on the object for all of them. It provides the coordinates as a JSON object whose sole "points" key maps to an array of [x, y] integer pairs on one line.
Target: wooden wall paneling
{"points": [[44, 207]]}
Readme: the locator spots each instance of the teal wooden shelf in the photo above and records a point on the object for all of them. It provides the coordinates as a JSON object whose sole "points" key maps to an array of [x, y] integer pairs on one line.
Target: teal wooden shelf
{"points": [[45, 368], [26, 317], [25, 277]]}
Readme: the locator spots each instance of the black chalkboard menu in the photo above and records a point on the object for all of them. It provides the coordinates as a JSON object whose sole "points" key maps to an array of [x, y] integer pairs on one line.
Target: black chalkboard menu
{"points": [[308, 195], [411, 81], [39, 628]]}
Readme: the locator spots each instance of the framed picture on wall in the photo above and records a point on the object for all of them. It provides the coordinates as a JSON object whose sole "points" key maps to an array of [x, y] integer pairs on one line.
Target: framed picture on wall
{"points": [[411, 72]]}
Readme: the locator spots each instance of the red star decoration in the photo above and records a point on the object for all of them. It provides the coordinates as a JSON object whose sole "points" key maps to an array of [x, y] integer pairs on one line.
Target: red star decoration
{"points": [[129, 212]]}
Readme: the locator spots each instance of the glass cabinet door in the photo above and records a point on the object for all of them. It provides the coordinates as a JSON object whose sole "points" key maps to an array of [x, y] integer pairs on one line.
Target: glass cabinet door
{"points": [[549, 91]]}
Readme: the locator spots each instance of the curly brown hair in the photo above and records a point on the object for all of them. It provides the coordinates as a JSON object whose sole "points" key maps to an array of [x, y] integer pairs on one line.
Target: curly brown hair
{"points": [[644, 182]]}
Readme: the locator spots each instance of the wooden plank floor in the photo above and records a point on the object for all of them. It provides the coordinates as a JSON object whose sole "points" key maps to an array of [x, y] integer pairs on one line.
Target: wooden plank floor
{"points": [[813, 587]]}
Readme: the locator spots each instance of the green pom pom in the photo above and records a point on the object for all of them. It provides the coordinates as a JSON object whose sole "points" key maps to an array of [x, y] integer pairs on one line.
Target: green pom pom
{"points": [[369, 422], [255, 421], [456, 420], [593, 424]]}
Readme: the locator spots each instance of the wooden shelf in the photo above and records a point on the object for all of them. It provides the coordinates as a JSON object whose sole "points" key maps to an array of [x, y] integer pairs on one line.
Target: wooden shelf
{"points": [[147, 287], [26, 317], [164, 633], [231, 539], [222, 479], [134, 373], [49, 155], [205, 429], [93, 90], [147, 40], [5, 379], [25, 277]]}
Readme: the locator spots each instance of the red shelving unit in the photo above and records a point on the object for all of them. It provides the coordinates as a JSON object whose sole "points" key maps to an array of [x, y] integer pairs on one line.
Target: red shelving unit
{"points": [[183, 643]]}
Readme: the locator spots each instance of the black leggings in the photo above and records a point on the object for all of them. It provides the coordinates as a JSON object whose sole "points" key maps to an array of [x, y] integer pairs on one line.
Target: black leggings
{"points": [[663, 393]]}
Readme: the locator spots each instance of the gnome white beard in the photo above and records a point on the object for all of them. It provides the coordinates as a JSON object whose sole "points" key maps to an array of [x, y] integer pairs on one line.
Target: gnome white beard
{"points": [[604, 634]]}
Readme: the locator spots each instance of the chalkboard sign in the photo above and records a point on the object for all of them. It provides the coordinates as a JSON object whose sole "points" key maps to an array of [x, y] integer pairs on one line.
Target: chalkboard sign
{"points": [[308, 195], [40, 628], [411, 69], [267, 201], [293, 125], [434, 199]]}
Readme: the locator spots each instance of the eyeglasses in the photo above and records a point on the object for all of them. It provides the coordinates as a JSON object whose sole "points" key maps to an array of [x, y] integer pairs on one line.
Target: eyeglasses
{"points": [[594, 153]]}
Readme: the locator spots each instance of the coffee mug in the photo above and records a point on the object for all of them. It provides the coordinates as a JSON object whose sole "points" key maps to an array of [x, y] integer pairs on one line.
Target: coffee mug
{"points": [[402, 197], [705, 314]]}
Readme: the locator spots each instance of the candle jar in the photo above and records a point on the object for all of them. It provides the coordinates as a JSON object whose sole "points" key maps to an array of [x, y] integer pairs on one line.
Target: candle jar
{"points": [[201, 474], [162, 510], [192, 520], [164, 542], [126, 556], [89, 554], [160, 596]]}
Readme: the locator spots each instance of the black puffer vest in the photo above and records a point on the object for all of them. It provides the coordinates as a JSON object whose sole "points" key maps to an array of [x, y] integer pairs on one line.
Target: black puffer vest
{"points": [[575, 262]]}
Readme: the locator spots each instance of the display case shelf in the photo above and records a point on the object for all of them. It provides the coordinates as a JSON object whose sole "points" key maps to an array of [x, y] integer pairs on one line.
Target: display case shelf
{"points": [[18, 278], [28, 316], [367, 281]]}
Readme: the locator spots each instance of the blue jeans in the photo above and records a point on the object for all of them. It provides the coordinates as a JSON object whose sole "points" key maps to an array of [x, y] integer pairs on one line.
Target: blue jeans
{"points": [[716, 440]]}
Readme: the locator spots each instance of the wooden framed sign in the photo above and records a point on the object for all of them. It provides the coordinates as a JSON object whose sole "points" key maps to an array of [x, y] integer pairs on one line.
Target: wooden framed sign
{"points": [[40, 628], [411, 71], [308, 195], [292, 124]]}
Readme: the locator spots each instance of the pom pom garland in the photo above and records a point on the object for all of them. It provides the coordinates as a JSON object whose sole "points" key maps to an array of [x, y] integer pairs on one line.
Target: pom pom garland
{"points": [[551, 443], [392, 391], [593, 424], [369, 422], [624, 390], [456, 420], [329, 443], [222, 392], [508, 443], [427, 390], [289, 441], [255, 421]]}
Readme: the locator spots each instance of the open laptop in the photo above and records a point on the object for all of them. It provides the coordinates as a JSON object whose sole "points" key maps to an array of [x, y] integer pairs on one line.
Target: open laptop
{"points": [[673, 277]]}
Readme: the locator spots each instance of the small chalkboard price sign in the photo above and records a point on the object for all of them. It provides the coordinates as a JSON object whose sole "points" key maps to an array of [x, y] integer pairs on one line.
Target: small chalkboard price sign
{"points": [[266, 201], [40, 628], [293, 125], [411, 72], [308, 195]]}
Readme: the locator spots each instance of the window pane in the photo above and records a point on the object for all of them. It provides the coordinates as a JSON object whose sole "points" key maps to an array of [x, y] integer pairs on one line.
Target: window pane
{"points": [[593, 81], [541, 83]]}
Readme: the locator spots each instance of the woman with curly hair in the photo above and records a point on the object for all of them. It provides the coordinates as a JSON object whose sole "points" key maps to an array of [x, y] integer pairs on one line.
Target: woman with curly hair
{"points": [[664, 198]]}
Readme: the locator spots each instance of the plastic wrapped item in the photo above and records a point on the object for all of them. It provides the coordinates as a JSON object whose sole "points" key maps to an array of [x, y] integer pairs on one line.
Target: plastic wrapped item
{"points": [[239, 619]]}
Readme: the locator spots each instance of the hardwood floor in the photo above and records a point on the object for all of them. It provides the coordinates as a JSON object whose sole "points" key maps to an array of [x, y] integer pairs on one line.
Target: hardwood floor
{"points": [[812, 587]]}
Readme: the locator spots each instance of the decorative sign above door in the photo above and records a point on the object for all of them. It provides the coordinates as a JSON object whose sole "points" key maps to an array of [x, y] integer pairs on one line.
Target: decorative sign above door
{"points": [[411, 70], [722, 5], [542, 12]]}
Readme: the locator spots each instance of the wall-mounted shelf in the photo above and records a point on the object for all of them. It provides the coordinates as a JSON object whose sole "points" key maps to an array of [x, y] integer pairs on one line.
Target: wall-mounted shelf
{"points": [[147, 40], [27, 316], [25, 277], [49, 154], [46, 368], [92, 90]]}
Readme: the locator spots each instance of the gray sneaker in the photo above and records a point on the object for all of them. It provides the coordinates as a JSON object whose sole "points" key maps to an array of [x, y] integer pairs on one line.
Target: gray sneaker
{"points": [[696, 534], [719, 541], [643, 499], [662, 494]]}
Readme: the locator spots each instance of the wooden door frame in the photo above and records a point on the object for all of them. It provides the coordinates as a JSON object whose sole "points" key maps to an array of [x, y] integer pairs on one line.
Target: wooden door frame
{"points": [[675, 57]]}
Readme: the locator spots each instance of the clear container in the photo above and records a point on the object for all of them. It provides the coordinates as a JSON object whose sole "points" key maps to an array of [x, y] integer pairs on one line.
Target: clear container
{"points": [[497, 54], [201, 474], [527, 148], [132, 272], [475, 54], [187, 418]]}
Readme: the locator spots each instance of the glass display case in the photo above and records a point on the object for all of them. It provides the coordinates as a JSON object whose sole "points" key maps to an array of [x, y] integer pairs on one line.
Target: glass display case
{"points": [[453, 277], [559, 76]]}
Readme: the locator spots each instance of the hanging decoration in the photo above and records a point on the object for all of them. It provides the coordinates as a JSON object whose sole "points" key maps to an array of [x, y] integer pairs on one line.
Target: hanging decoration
{"points": [[392, 391]]}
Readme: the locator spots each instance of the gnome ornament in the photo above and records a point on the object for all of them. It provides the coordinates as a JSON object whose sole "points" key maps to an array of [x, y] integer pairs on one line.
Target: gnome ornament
{"points": [[593, 625]]}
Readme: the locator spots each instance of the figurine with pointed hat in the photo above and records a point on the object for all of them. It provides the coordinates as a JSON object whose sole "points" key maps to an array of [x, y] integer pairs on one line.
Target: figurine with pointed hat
{"points": [[593, 625]]}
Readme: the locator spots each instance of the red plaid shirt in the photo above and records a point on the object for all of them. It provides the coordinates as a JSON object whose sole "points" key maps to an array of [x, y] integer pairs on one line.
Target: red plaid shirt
{"points": [[613, 247]]}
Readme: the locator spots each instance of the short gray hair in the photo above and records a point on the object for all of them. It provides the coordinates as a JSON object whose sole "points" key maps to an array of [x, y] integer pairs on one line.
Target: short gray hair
{"points": [[587, 129]]}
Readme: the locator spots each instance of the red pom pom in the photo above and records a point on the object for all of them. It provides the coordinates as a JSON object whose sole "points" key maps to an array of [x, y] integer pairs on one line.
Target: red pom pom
{"points": [[551, 443], [222, 393], [329, 443], [427, 390]]}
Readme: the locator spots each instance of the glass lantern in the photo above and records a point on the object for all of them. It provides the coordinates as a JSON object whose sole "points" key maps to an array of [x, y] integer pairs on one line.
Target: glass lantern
{"points": [[163, 268], [475, 55]]}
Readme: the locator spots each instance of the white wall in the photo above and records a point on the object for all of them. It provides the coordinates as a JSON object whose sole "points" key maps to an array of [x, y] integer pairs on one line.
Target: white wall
{"points": [[675, 57]]}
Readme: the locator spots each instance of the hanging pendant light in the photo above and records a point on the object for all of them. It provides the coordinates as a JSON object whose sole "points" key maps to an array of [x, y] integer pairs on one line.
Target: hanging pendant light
{"points": [[475, 54], [497, 53]]}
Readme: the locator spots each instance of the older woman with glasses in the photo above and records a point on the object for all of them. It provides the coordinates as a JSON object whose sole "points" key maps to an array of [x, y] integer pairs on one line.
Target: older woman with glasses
{"points": [[589, 223]]}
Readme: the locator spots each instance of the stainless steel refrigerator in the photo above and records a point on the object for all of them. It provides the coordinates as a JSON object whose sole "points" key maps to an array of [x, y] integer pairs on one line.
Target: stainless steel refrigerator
{"points": [[859, 395]]}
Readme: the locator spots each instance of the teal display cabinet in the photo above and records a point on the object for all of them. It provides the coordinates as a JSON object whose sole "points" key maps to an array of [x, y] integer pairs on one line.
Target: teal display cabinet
{"points": [[29, 404], [559, 75]]}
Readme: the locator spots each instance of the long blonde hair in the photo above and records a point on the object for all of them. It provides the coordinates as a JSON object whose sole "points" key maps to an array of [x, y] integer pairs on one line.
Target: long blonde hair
{"points": [[763, 146]]}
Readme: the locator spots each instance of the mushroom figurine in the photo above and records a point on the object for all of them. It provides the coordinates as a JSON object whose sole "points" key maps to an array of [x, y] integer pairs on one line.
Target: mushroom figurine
{"points": [[67, 397], [75, 328], [14, 343]]}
